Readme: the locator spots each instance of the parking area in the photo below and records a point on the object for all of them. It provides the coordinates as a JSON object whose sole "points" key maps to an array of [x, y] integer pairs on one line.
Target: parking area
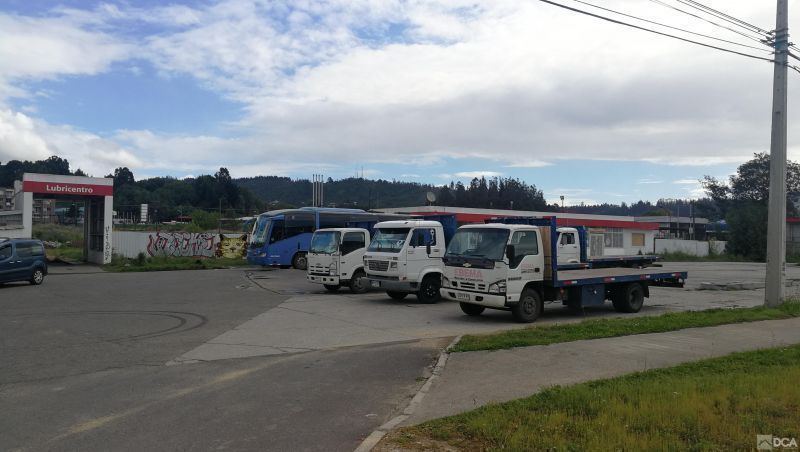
{"points": [[246, 359]]}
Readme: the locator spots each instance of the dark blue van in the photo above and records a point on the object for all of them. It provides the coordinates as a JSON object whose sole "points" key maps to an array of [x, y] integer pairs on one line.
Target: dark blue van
{"points": [[22, 260]]}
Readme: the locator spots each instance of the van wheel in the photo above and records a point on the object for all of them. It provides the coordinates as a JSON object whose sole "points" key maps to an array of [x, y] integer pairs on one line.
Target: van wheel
{"points": [[300, 261], [37, 277], [331, 287], [396, 295], [529, 307], [471, 309], [429, 290], [629, 298], [359, 282]]}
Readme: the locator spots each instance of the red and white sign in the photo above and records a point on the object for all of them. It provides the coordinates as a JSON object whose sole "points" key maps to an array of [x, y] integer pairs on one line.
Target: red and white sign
{"points": [[60, 188]]}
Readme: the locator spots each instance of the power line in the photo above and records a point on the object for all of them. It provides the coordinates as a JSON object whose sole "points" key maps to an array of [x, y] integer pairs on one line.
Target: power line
{"points": [[671, 27], [748, 36], [618, 22], [723, 16]]}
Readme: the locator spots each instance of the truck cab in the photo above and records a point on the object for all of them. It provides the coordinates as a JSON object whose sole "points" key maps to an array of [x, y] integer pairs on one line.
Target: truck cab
{"points": [[405, 256], [569, 251], [335, 258]]}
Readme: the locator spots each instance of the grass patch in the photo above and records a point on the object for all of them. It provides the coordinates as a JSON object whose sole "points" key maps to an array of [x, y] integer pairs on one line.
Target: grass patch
{"points": [[714, 404], [160, 263], [679, 256], [600, 328], [66, 253], [70, 235]]}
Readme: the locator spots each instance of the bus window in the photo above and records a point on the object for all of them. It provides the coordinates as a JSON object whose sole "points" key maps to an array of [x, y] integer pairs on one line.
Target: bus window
{"points": [[299, 224], [333, 220], [278, 233]]}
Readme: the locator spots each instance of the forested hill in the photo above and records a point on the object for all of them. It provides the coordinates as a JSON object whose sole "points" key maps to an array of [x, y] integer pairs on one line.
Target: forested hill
{"points": [[352, 192]]}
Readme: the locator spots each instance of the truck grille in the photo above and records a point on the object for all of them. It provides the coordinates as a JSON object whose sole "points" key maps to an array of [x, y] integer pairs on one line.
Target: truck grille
{"points": [[472, 286], [378, 266]]}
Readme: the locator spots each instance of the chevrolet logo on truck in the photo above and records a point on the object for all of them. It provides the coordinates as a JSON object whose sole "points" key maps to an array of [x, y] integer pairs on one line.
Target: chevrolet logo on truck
{"points": [[467, 265]]}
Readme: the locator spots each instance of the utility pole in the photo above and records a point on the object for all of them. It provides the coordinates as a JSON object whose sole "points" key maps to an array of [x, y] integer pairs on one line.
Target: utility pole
{"points": [[775, 290]]}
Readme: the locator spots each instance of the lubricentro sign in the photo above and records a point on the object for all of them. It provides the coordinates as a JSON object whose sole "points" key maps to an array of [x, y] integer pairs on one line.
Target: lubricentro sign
{"points": [[60, 188]]}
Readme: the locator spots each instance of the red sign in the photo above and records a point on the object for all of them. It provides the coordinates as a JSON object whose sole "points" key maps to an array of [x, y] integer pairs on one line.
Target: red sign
{"points": [[61, 188]]}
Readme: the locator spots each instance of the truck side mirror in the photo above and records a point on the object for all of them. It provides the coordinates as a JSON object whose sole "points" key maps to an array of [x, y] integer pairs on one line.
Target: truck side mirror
{"points": [[510, 253], [428, 248]]}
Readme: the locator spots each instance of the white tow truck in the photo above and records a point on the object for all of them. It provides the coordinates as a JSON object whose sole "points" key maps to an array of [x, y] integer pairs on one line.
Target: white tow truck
{"points": [[335, 258], [405, 257], [515, 267]]}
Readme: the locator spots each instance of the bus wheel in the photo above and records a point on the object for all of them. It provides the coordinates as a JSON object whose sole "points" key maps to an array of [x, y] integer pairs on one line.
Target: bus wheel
{"points": [[396, 295], [529, 307], [359, 282], [629, 298], [331, 287], [429, 290], [300, 261]]}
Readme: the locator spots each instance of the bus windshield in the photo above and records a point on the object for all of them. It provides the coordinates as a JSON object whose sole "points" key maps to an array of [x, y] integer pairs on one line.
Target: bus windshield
{"points": [[389, 239], [484, 243], [326, 242], [259, 235]]}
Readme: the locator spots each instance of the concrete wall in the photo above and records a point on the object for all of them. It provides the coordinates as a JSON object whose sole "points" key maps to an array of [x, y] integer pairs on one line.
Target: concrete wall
{"points": [[178, 244], [693, 247]]}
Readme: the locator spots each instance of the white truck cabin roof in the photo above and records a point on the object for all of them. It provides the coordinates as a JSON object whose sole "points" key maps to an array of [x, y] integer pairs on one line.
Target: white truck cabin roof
{"points": [[408, 224], [510, 227], [341, 230]]}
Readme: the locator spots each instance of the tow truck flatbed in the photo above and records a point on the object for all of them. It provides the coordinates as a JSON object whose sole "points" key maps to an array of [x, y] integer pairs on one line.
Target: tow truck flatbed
{"points": [[568, 278]]}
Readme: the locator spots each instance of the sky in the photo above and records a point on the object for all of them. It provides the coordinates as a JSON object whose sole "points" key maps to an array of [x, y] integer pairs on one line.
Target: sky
{"points": [[426, 91]]}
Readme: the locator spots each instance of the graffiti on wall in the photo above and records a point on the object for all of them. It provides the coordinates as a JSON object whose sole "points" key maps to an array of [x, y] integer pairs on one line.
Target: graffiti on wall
{"points": [[194, 244], [181, 244], [107, 245]]}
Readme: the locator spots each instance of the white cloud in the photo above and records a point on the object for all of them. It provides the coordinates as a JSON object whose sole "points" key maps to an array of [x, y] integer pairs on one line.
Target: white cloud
{"points": [[686, 182], [649, 181], [478, 174]]}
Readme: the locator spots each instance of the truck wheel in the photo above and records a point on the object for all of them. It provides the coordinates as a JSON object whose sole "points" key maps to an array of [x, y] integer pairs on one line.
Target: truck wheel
{"points": [[396, 295], [529, 307], [629, 298], [300, 261], [471, 309], [331, 287], [429, 290], [37, 277], [359, 282]]}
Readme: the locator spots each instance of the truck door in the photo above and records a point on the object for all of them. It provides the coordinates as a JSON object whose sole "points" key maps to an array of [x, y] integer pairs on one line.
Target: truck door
{"points": [[417, 254], [527, 265], [568, 251], [352, 252]]}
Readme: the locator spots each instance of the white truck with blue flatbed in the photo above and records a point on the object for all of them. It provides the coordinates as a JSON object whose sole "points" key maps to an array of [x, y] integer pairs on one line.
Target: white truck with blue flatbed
{"points": [[515, 267]]}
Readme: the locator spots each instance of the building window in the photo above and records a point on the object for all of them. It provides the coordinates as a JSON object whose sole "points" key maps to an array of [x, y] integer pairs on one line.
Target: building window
{"points": [[637, 239], [613, 238]]}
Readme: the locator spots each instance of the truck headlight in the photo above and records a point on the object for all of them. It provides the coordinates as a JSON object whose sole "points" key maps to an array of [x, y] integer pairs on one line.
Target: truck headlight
{"points": [[262, 255], [332, 269], [498, 287], [393, 265], [445, 281]]}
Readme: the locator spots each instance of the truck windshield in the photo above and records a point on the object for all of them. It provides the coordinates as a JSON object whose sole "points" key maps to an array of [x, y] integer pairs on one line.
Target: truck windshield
{"points": [[484, 243], [325, 242], [389, 239], [259, 235]]}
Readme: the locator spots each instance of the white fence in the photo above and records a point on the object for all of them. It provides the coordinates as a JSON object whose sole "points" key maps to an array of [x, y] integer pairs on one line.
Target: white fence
{"points": [[693, 247], [179, 244]]}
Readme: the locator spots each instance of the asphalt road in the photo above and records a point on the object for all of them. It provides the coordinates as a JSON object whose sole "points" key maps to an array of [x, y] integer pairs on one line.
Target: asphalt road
{"points": [[84, 368], [241, 359]]}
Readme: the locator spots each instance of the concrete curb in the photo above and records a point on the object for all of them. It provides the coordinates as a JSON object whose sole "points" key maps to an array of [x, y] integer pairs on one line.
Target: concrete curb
{"points": [[374, 438]]}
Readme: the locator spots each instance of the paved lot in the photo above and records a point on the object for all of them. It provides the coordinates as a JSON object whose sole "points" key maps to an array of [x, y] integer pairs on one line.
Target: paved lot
{"points": [[238, 359]]}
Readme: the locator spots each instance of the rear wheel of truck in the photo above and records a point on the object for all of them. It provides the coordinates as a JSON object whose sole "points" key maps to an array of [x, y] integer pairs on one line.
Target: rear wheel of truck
{"points": [[429, 290], [359, 282], [471, 309], [628, 298], [331, 287], [300, 261], [396, 295], [529, 307]]}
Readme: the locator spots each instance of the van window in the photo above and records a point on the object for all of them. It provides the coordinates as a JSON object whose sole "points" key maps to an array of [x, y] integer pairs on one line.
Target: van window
{"points": [[5, 252], [28, 249]]}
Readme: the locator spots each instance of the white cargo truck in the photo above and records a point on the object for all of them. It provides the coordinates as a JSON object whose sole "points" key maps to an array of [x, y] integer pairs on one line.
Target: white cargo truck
{"points": [[405, 257], [515, 267], [335, 258]]}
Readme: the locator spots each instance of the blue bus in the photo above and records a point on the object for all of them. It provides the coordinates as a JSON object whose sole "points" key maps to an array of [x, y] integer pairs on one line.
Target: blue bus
{"points": [[282, 237]]}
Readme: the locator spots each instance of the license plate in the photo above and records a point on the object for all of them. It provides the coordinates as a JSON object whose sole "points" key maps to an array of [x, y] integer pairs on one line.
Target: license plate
{"points": [[462, 296], [375, 283]]}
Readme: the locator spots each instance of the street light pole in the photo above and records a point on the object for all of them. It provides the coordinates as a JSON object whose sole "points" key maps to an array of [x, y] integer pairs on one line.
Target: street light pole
{"points": [[775, 290]]}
